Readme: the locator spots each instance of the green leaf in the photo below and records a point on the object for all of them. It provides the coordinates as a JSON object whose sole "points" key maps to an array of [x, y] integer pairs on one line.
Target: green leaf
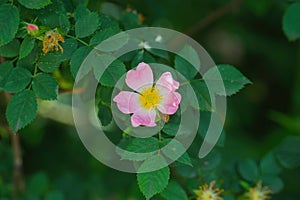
{"points": [[174, 191], [291, 25], [70, 46], [45, 86], [86, 25], [26, 46], [185, 159], [54, 195], [5, 70], [77, 58], [99, 63], [186, 171], [203, 127], [186, 61], [103, 34], [29, 61], [9, 23], [11, 49], [107, 22], [274, 183], [104, 93], [49, 62], [113, 43], [174, 150], [81, 11], [171, 128], [142, 56], [21, 33], [232, 79], [21, 110], [17, 80], [203, 96], [288, 152], [130, 20], [34, 4], [140, 149], [104, 114], [269, 164], [211, 161], [159, 52], [113, 73], [55, 16], [248, 170], [38, 184], [152, 183]]}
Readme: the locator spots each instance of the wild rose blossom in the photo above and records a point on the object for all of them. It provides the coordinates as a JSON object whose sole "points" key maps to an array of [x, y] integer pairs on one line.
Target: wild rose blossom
{"points": [[149, 98]]}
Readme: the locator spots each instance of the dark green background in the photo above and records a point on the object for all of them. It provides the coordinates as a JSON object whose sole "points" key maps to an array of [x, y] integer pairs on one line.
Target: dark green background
{"points": [[249, 37]]}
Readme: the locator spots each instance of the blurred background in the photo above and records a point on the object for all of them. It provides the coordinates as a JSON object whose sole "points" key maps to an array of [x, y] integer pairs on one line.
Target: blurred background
{"points": [[246, 34]]}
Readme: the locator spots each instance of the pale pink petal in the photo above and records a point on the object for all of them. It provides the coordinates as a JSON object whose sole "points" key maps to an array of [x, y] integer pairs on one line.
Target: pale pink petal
{"points": [[127, 102], [166, 80], [139, 78], [143, 117], [170, 101]]}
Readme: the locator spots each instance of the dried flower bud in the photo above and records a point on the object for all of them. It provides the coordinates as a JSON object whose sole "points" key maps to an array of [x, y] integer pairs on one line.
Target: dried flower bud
{"points": [[51, 41]]}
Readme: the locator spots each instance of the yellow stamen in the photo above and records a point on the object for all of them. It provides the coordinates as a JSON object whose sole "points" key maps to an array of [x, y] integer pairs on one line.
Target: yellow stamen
{"points": [[150, 97], [206, 192], [259, 192]]}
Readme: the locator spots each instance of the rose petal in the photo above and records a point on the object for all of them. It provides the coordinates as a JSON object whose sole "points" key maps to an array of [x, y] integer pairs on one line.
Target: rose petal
{"points": [[166, 80], [143, 117], [127, 102], [139, 78], [170, 101]]}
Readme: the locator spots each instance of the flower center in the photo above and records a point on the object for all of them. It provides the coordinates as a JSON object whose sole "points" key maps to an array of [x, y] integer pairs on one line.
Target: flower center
{"points": [[150, 97], [257, 195], [209, 195]]}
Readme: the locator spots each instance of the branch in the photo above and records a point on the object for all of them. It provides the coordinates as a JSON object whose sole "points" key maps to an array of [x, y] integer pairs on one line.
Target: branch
{"points": [[2, 59], [213, 16], [18, 180]]}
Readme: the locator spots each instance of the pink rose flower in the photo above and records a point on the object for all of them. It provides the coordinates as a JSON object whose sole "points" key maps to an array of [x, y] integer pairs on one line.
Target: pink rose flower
{"points": [[148, 98]]}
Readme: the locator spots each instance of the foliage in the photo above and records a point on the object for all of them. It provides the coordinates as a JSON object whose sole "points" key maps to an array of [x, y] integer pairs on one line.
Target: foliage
{"points": [[41, 65]]}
